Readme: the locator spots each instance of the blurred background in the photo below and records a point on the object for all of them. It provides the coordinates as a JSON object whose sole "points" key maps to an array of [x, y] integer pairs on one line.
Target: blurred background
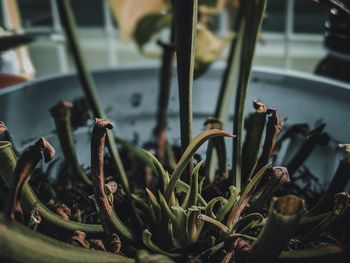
{"points": [[292, 37]]}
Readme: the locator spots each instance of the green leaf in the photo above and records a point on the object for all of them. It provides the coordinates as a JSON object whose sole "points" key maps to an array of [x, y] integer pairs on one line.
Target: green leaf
{"points": [[208, 49], [187, 155], [245, 198], [158, 167], [231, 201], [146, 238], [192, 201]]}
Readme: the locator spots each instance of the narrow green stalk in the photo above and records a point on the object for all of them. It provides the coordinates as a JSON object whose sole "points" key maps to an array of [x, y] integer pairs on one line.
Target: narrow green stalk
{"points": [[88, 85], [22, 245], [61, 114], [217, 144], [285, 213], [185, 28], [29, 199], [193, 198], [253, 12], [224, 100]]}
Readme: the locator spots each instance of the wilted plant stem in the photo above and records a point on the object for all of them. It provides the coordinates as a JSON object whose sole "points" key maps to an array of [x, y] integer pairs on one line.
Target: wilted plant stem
{"points": [[185, 26], [253, 12], [111, 221], [24, 168], [89, 85], [338, 183], [61, 114], [30, 200]]}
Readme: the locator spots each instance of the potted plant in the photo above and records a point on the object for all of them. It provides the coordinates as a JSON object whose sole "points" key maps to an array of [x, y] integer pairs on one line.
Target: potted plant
{"points": [[141, 208]]}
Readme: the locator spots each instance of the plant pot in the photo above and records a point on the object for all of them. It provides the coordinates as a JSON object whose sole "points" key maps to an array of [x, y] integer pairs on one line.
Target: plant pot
{"points": [[130, 98]]}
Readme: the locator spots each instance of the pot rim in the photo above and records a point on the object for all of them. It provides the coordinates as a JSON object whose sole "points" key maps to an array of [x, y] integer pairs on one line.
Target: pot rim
{"points": [[256, 69]]}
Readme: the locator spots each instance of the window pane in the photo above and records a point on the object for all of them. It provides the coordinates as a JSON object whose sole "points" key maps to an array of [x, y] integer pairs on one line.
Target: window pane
{"points": [[35, 13], [276, 12], [309, 17], [88, 13]]}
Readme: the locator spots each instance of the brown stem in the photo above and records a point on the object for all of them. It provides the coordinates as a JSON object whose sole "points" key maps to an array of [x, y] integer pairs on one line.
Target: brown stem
{"points": [[306, 149], [111, 222], [229, 257], [279, 176], [338, 183], [24, 168], [273, 129], [61, 113], [164, 93]]}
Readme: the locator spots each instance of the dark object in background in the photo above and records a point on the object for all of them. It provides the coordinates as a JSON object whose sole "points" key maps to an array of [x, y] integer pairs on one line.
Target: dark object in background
{"points": [[9, 42], [336, 64]]}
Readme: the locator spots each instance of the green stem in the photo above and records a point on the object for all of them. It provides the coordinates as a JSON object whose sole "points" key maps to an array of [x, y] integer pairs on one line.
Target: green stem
{"points": [[283, 219], [224, 100], [29, 199], [185, 26], [88, 84], [25, 166], [61, 113], [253, 12], [330, 253], [21, 245]]}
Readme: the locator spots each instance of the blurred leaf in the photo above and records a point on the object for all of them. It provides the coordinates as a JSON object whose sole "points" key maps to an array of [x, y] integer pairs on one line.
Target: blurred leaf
{"points": [[150, 25], [129, 12], [208, 48]]}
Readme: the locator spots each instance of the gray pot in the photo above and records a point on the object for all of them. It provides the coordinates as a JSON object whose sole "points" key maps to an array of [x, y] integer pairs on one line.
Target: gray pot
{"points": [[130, 99]]}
